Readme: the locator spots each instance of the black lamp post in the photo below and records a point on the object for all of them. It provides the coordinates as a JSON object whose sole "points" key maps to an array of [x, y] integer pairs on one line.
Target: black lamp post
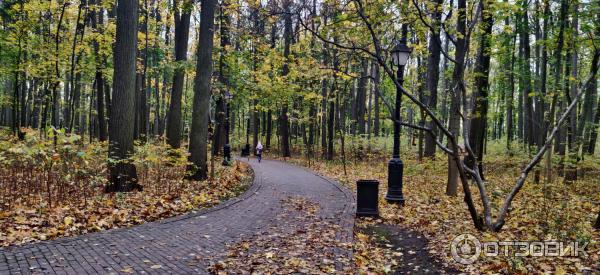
{"points": [[227, 146], [400, 54]]}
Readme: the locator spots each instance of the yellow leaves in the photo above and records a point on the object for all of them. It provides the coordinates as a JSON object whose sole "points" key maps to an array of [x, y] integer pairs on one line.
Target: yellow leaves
{"points": [[362, 237], [549, 212], [156, 266], [20, 219], [304, 243], [68, 221], [559, 271], [31, 217], [295, 263]]}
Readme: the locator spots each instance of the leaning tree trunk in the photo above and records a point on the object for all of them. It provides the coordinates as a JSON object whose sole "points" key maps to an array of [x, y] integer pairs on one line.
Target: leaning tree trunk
{"points": [[123, 176], [200, 113]]}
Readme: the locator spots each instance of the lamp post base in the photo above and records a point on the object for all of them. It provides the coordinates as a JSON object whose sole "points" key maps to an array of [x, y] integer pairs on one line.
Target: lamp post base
{"points": [[395, 173]]}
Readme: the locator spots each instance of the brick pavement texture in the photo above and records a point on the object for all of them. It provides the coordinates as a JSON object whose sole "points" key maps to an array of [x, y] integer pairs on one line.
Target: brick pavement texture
{"points": [[182, 245]]}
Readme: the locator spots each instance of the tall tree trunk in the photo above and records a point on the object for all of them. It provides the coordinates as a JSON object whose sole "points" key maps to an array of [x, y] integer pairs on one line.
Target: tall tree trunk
{"points": [[324, 95], [312, 113], [543, 75], [144, 115], [370, 112], [255, 124], [478, 125], [457, 76], [221, 106], [510, 117], [445, 89], [269, 129], [75, 122], [361, 95], [525, 79], [572, 136], [56, 84], [200, 112], [586, 123], [593, 127], [97, 22], [273, 37], [283, 119], [182, 29], [123, 176], [376, 82], [332, 98], [555, 88], [69, 108], [433, 75]]}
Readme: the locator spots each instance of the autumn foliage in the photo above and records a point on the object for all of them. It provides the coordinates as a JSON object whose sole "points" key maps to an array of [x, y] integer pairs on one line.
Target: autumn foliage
{"points": [[48, 191], [543, 211]]}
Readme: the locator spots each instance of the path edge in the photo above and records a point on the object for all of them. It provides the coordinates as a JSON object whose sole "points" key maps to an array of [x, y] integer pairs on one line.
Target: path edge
{"points": [[256, 184]]}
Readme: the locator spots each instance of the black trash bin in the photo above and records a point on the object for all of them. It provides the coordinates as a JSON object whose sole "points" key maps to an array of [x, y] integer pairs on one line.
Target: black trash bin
{"points": [[246, 150], [367, 198], [227, 155]]}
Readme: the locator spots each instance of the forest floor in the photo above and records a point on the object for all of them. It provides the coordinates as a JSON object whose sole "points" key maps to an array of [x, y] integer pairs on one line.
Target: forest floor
{"points": [[541, 212], [50, 188], [49, 191], [290, 220]]}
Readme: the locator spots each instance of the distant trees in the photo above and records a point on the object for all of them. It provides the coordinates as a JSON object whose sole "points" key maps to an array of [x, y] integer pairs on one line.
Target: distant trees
{"points": [[471, 110]]}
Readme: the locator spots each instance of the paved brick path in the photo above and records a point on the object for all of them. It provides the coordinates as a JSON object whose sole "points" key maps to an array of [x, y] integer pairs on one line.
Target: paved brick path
{"points": [[182, 244]]}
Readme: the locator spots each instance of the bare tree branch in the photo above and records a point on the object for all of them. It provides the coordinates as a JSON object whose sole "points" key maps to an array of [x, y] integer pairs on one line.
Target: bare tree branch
{"points": [[538, 157]]}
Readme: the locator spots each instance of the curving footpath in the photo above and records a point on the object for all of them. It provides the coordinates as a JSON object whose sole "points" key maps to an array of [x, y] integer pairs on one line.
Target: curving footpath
{"points": [[183, 244]]}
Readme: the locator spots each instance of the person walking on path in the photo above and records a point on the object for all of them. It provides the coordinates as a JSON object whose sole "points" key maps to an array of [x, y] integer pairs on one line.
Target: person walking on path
{"points": [[259, 149]]}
